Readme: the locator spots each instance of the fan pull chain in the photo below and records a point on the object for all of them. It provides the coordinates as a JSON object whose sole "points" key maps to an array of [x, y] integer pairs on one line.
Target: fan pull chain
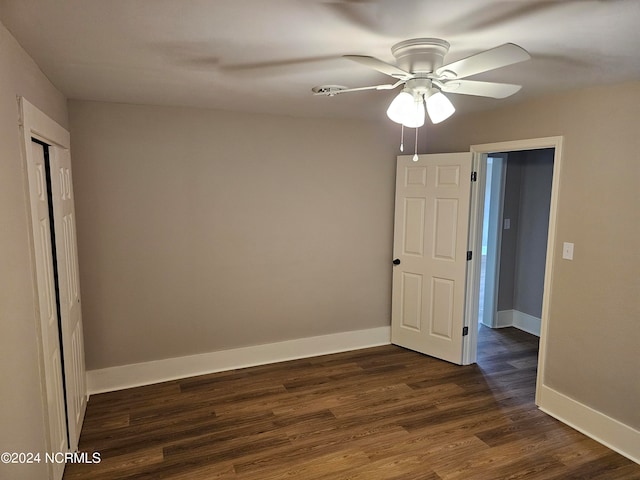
{"points": [[415, 155], [402, 138]]}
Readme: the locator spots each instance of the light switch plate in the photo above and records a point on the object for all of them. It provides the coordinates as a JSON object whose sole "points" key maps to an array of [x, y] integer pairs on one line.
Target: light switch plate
{"points": [[567, 251], [507, 223]]}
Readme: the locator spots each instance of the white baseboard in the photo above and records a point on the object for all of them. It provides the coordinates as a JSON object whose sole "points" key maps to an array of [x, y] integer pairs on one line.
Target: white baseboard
{"points": [[602, 428], [135, 375], [527, 323], [515, 318], [504, 319]]}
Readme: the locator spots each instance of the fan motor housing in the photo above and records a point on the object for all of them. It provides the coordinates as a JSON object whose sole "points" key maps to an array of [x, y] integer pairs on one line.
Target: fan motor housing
{"points": [[420, 55]]}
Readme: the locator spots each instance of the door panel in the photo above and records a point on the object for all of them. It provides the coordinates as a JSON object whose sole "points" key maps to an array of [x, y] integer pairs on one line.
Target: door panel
{"points": [[430, 240], [411, 301], [442, 297], [414, 226], [445, 229], [70, 311]]}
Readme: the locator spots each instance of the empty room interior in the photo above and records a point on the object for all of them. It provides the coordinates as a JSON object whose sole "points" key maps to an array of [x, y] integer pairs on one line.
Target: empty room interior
{"points": [[319, 240]]}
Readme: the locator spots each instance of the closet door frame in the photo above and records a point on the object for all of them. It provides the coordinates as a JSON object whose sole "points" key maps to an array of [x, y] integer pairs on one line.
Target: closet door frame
{"points": [[34, 124]]}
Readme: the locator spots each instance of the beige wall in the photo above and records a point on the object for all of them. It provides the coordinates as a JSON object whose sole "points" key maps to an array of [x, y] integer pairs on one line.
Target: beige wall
{"points": [[21, 408], [202, 230], [594, 334]]}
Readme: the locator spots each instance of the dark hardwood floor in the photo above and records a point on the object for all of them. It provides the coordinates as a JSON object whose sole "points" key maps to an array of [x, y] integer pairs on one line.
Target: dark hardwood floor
{"points": [[380, 413]]}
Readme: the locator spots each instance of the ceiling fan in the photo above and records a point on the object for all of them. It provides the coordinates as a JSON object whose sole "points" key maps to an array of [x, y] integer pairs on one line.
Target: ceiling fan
{"points": [[420, 69]]}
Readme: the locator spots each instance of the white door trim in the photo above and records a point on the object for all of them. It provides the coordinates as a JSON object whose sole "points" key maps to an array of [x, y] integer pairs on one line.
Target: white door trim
{"points": [[38, 125], [475, 243], [492, 267]]}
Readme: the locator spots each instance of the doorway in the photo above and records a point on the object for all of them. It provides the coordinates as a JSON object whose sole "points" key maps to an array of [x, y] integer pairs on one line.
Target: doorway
{"points": [[477, 237], [514, 238], [517, 199]]}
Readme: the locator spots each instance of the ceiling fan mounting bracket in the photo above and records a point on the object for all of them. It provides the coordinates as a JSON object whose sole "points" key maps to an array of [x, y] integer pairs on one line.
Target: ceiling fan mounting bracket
{"points": [[420, 85], [420, 55]]}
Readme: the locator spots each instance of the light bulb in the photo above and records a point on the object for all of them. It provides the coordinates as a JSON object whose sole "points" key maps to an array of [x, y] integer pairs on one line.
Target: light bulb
{"points": [[439, 107]]}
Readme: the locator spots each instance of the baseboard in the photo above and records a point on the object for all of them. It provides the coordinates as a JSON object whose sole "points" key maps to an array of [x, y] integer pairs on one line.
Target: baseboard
{"points": [[138, 374], [515, 318], [527, 323], [504, 318], [602, 428]]}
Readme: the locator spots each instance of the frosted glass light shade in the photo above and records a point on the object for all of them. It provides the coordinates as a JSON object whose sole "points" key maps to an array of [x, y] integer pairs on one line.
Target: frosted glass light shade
{"points": [[416, 119], [439, 107], [407, 109]]}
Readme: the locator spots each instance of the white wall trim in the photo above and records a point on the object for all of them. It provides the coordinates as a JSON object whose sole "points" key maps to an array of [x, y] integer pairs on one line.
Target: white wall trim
{"points": [[602, 428], [504, 318], [527, 323], [135, 375], [516, 318]]}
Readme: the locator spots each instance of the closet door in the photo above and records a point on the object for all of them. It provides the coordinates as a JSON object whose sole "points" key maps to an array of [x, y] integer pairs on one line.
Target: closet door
{"points": [[70, 310], [55, 406]]}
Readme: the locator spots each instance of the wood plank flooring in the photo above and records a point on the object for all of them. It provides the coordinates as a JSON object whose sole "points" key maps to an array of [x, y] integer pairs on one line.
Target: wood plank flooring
{"points": [[379, 413]]}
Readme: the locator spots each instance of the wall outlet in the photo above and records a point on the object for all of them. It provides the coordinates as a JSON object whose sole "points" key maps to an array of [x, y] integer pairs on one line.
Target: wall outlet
{"points": [[567, 251], [507, 223]]}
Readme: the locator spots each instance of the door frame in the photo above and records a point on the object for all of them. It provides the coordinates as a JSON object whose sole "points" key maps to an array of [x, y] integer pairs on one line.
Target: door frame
{"points": [[475, 242], [34, 124], [495, 230]]}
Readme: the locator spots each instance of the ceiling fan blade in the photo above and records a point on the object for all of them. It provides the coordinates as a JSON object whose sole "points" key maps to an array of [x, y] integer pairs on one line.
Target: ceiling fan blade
{"points": [[375, 87], [480, 89], [379, 65], [497, 57]]}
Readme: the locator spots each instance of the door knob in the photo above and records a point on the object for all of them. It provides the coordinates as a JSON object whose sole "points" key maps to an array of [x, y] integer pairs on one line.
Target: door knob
{"points": [[396, 261]]}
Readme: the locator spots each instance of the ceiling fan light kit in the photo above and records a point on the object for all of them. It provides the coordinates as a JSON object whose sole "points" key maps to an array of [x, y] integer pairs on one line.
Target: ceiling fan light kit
{"points": [[408, 108], [419, 67]]}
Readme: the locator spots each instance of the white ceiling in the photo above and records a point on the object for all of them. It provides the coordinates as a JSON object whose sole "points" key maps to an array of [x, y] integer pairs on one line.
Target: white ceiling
{"points": [[264, 56]]}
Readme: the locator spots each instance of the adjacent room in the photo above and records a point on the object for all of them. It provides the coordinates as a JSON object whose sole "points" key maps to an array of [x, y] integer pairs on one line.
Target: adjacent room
{"points": [[319, 240]]}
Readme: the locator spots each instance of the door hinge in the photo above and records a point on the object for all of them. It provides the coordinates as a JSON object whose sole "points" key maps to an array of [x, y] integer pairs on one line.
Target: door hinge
{"points": [[469, 255], [465, 331], [474, 176]]}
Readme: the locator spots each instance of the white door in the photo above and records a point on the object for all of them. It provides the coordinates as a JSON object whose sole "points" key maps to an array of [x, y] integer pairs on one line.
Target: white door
{"points": [[47, 303], [70, 311], [430, 253]]}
